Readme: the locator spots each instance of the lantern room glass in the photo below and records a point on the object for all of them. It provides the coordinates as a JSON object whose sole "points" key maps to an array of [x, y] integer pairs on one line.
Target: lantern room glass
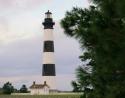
{"points": [[48, 15]]}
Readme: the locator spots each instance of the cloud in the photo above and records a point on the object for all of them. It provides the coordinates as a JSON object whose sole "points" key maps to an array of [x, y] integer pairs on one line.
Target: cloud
{"points": [[3, 28], [22, 4], [21, 26]]}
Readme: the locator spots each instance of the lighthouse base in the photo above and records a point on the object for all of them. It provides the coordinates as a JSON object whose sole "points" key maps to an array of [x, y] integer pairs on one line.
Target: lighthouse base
{"points": [[51, 81]]}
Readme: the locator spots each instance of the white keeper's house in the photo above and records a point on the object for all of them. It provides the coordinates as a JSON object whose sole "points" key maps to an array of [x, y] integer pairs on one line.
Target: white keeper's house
{"points": [[38, 89]]}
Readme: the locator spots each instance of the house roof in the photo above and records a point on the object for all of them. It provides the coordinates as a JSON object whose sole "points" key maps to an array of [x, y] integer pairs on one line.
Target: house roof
{"points": [[38, 86]]}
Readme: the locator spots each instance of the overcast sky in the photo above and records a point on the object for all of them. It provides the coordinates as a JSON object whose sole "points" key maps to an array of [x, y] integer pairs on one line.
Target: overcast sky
{"points": [[21, 36]]}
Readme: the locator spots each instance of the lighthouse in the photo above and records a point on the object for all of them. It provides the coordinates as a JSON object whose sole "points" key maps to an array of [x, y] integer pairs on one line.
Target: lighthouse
{"points": [[48, 67]]}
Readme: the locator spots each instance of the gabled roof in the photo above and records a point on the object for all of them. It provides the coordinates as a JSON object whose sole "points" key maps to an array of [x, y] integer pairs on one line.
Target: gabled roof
{"points": [[38, 86]]}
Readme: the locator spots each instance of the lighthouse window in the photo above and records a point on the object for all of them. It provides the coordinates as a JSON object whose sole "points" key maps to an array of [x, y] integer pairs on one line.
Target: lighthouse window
{"points": [[48, 46]]}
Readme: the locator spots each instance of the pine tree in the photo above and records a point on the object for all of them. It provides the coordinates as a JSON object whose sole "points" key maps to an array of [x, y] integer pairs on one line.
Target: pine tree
{"points": [[23, 89], [101, 32], [7, 88]]}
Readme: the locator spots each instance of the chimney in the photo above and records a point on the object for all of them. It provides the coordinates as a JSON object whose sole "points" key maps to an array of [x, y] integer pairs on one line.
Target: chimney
{"points": [[33, 82], [44, 82]]}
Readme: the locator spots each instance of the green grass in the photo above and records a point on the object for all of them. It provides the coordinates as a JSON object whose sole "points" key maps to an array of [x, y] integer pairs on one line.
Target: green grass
{"points": [[41, 96]]}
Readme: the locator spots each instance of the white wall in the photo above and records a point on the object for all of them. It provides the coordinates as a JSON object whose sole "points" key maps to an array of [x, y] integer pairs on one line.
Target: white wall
{"points": [[39, 91], [48, 58], [48, 34]]}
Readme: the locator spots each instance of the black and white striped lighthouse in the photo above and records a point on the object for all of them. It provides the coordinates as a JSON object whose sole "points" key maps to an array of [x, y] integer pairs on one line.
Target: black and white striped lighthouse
{"points": [[48, 68]]}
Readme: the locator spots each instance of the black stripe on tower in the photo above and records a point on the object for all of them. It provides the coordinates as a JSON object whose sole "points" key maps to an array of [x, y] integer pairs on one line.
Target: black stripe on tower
{"points": [[48, 23], [48, 46], [48, 70]]}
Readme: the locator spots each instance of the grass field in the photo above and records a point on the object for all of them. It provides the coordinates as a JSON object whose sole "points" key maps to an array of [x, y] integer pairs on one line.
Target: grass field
{"points": [[41, 96]]}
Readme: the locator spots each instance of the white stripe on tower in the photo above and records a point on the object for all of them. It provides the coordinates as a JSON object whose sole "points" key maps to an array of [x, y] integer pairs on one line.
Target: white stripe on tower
{"points": [[48, 68], [48, 34], [48, 58]]}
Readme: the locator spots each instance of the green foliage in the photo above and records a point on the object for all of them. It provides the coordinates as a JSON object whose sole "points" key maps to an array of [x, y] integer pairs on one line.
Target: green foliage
{"points": [[111, 7], [83, 74], [7, 88], [75, 86], [23, 89], [100, 29]]}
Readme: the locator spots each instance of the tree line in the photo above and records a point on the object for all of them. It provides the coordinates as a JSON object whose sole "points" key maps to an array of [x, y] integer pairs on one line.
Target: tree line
{"points": [[8, 88]]}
